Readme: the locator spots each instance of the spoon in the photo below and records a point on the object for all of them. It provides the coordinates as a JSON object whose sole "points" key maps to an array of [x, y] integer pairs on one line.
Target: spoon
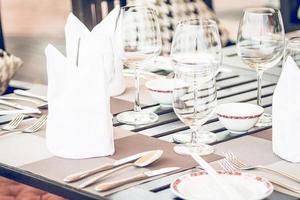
{"points": [[143, 161]]}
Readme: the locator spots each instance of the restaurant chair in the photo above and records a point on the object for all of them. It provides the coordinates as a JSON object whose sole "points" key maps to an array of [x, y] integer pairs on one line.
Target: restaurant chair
{"points": [[170, 12]]}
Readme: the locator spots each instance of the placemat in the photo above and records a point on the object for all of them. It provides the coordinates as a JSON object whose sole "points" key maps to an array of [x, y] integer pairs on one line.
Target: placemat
{"points": [[266, 134], [57, 168], [119, 105]]}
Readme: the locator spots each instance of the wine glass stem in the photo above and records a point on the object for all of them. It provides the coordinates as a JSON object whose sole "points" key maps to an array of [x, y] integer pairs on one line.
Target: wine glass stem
{"points": [[259, 84], [194, 134], [137, 106]]}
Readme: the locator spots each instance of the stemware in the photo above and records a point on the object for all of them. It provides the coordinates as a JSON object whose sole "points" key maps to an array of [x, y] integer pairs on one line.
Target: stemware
{"points": [[138, 35], [260, 44], [194, 94], [293, 49], [205, 34]]}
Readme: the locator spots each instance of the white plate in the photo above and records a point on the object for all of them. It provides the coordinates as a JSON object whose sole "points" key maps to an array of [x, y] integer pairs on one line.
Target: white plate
{"points": [[198, 185]]}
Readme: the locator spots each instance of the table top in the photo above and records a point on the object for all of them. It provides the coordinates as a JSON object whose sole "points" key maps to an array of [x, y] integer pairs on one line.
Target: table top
{"points": [[238, 84]]}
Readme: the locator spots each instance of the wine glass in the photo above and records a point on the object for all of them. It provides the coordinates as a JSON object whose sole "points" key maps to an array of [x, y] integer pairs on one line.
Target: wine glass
{"points": [[194, 94], [260, 44], [208, 43], [138, 35], [293, 49]]}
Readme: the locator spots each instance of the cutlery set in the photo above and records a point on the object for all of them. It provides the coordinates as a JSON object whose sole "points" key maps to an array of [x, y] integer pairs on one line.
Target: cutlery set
{"points": [[21, 110], [231, 163], [139, 160]]}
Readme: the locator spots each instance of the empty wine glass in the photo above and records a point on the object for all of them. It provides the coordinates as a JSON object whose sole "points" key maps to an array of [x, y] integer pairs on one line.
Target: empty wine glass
{"points": [[260, 44], [194, 94], [293, 49], [138, 36]]}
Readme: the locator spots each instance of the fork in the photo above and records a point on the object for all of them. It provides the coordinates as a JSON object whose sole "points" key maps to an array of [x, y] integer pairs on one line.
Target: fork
{"points": [[14, 123], [226, 165], [37, 125], [238, 164]]}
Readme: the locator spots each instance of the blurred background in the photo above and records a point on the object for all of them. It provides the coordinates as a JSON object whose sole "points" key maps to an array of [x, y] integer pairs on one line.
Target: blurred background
{"points": [[29, 25]]}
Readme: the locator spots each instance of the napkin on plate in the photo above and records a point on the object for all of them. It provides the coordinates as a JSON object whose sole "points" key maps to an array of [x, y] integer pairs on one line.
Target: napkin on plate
{"points": [[75, 30], [80, 123], [286, 113]]}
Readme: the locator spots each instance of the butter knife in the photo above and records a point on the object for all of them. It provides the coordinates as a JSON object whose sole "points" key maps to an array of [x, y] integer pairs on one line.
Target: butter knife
{"points": [[29, 94], [113, 184], [83, 174], [23, 109]]}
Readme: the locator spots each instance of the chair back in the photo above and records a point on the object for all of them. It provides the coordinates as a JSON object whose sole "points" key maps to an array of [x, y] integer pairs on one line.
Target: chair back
{"points": [[91, 12]]}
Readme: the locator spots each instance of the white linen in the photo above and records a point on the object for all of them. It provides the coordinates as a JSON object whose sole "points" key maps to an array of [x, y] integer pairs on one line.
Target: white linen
{"points": [[286, 113], [75, 29], [80, 123]]}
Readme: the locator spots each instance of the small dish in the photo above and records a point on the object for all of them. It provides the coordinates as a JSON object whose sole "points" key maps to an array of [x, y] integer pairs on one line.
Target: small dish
{"points": [[198, 185], [161, 90], [238, 118]]}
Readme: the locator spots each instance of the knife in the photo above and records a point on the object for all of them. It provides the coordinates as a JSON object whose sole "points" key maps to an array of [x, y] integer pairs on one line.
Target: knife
{"points": [[29, 94], [23, 109], [113, 184], [81, 175]]}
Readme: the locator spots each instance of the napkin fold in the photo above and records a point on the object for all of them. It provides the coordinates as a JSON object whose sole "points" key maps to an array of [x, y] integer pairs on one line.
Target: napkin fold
{"points": [[286, 113], [76, 31], [79, 87]]}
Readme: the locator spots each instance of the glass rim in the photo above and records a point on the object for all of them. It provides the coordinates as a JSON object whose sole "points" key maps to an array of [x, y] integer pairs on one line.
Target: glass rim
{"points": [[293, 42], [203, 22], [267, 11]]}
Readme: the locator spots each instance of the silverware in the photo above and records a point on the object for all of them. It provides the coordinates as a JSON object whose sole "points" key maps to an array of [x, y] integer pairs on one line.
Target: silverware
{"points": [[39, 105], [238, 164], [143, 161], [83, 174], [36, 126], [25, 111], [39, 123], [113, 184], [228, 191], [14, 123], [18, 106], [228, 166], [18, 99], [29, 94]]}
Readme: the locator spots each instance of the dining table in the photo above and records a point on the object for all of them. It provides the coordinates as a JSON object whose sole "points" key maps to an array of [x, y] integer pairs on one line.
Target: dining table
{"points": [[25, 158]]}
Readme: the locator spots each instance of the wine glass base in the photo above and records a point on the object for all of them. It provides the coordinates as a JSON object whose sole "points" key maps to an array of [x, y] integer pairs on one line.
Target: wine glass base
{"points": [[204, 137], [137, 118], [198, 148], [264, 120]]}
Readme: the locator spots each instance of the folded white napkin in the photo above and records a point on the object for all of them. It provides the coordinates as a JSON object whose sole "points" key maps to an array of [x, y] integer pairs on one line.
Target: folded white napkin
{"points": [[286, 113], [80, 123], [75, 30]]}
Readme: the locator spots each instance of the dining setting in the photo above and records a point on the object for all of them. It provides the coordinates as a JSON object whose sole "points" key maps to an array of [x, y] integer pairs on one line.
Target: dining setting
{"points": [[125, 116]]}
